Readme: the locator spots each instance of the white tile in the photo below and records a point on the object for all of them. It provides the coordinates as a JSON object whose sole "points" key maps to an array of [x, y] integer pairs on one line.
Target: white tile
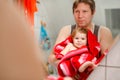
{"points": [[103, 61], [113, 74], [113, 57], [97, 74]]}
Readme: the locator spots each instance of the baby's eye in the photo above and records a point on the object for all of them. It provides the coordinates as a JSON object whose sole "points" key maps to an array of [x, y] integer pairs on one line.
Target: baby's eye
{"points": [[76, 38], [83, 38]]}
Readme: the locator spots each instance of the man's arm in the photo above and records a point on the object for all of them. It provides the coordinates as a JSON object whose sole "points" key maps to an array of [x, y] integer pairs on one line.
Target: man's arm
{"points": [[63, 34], [106, 39]]}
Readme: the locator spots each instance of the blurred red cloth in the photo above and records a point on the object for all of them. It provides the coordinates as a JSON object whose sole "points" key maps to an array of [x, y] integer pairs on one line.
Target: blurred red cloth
{"points": [[30, 8]]}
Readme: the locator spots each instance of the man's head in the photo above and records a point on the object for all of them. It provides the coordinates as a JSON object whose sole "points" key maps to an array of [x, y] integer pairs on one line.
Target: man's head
{"points": [[91, 3]]}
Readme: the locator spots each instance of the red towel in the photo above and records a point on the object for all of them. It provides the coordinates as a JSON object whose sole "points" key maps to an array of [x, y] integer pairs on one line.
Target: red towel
{"points": [[69, 63], [93, 45]]}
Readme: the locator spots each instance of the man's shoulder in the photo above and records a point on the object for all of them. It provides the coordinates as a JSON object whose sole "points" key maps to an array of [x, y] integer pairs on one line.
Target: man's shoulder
{"points": [[104, 28], [66, 28], [105, 32]]}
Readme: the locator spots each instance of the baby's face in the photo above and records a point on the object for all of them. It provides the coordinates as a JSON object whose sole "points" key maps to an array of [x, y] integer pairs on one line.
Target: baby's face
{"points": [[80, 39]]}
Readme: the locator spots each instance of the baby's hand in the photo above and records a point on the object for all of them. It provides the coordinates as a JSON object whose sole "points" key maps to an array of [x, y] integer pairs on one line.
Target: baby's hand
{"points": [[105, 53], [90, 68]]}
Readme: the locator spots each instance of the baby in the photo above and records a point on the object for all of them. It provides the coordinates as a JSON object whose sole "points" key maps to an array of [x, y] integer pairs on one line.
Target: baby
{"points": [[79, 62]]}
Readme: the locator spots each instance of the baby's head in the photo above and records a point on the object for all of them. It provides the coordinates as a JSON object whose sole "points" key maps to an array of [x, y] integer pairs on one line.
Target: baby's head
{"points": [[79, 36], [79, 30]]}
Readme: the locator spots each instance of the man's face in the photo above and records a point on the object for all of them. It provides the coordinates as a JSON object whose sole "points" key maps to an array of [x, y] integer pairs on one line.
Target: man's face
{"points": [[83, 15]]}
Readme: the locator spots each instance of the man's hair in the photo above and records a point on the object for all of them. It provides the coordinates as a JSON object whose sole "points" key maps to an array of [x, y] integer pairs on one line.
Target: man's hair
{"points": [[91, 3], [80, 30]]}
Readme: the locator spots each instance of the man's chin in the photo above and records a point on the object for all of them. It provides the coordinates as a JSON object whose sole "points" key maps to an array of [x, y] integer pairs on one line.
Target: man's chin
{"points": [[82, 25]]}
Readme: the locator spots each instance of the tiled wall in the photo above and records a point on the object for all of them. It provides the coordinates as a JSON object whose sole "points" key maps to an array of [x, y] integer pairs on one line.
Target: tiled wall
{"points": [[113, 20], [109, 69]]}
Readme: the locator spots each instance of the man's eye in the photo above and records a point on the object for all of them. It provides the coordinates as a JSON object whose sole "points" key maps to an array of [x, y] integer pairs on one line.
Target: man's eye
{"points": [[77, 11], [85, 11]]}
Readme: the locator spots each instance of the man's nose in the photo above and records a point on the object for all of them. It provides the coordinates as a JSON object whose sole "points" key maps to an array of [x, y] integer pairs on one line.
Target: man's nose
{"points": [[80, 14]]}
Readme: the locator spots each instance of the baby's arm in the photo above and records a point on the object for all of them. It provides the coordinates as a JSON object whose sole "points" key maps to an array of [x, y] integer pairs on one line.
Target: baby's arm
{"points": [[66, 49]]}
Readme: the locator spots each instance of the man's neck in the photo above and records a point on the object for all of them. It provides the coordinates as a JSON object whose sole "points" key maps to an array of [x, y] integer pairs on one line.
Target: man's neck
{"points": [[90, 27]]}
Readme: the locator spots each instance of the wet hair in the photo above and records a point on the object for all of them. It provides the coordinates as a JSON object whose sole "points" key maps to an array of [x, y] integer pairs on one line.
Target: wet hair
{"points": [[80, 30], [91, 3]]}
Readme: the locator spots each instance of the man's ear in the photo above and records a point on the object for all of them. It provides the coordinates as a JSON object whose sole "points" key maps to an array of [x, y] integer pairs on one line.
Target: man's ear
{"points": [[94, 12]]}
